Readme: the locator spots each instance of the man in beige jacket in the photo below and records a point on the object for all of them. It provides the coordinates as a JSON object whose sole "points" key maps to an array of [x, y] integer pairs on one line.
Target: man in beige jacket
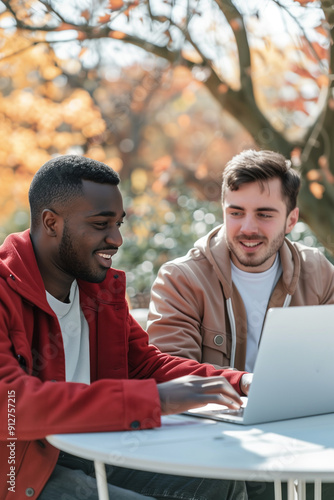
{"points": [[210, 305]]}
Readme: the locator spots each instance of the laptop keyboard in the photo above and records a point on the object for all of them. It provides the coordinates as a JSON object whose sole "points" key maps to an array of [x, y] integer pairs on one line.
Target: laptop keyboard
{"points": [[234, 413]]}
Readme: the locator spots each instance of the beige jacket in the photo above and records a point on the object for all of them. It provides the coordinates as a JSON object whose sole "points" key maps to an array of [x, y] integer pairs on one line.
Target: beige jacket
{"points": [[196, 311]]}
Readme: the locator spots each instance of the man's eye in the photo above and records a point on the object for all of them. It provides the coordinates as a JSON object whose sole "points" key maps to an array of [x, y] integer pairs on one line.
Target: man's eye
{"points": [[100, 225], [120, 223], [265, 216]]}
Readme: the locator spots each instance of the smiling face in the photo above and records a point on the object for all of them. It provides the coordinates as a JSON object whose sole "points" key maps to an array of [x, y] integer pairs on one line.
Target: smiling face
{"points": [[256, 222], [91, 232]]}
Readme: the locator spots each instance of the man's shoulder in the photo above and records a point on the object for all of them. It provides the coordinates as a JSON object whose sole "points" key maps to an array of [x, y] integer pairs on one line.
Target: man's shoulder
{"points": [[17, 241], [193, 258], [308, 252], [312, 258], [201, 253]]}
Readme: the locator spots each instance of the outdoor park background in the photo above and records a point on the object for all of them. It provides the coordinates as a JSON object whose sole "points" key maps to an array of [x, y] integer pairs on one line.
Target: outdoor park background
{"points": [[166, 92]]}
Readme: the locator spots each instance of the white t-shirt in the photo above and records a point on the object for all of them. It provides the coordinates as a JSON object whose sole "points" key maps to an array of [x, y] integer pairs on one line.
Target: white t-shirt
{"points": [[75, 332], [255, 290]]}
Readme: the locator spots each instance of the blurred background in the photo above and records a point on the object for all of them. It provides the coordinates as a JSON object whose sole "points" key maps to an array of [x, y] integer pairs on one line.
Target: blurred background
{"points": [[166, 92]]}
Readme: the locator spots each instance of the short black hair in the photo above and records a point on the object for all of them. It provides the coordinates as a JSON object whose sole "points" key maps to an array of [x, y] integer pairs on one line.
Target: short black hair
{"points": [[260, 166], [59, 180]]}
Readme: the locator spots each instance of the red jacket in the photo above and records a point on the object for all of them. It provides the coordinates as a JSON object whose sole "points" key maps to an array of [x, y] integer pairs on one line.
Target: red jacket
{"points": [[36, 400]]}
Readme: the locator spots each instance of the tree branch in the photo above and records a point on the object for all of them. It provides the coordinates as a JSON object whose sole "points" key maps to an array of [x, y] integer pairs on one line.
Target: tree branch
{"points": [[283, 7], [19, 51]]}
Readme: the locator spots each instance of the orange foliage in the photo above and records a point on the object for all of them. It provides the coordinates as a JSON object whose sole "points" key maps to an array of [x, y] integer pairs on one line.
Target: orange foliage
{"points": [[131, 6], [41, 117], [304, 2], [115, 4], [192, 56], [323, 162], [322, 31], [157, 186], [81, 36], [162, 164], [104, 19], [201, 171], [38, 119], [324, 165], [317, 190], [118, 35], [223, 88], [64, 27], [313, 175], [85, 14], [323, 81], [184, 120], [295, 105], [295, 156]]}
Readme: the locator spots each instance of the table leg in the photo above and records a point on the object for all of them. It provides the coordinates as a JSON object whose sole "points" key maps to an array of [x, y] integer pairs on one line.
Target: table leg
{"points": [[277, 490], [301, 490], [317, 490], [291, 489], [298, 493], [101, 480]]}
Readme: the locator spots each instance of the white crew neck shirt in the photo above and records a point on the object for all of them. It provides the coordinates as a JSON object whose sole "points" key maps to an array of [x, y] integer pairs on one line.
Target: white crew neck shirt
{"points": [[75, 333], [255, 290]]}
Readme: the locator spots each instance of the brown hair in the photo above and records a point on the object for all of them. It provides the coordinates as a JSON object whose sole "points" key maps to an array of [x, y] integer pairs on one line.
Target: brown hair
{"points": [[260, 166]]}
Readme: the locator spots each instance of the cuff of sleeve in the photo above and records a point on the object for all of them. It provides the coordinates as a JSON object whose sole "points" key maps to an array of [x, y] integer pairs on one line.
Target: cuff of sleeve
{"points": [[142, 408], [234, 378]]}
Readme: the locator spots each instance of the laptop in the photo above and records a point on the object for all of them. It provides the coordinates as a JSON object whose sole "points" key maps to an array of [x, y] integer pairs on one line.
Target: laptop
{"points": [[294, 369]]}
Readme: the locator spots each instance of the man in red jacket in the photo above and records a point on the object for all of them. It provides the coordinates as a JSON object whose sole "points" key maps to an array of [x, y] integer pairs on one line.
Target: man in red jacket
{"points": [[72, 357]]}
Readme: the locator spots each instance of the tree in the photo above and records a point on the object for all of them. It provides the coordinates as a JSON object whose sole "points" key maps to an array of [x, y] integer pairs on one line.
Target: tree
{"points": [[217, 40]]}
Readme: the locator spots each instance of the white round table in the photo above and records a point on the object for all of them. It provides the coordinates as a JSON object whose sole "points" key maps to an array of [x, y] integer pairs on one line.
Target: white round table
{"points": [[296, 450]]}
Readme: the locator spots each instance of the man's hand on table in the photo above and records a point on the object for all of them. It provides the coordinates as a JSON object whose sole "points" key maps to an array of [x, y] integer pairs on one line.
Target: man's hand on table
{"points": [[191, 391]]}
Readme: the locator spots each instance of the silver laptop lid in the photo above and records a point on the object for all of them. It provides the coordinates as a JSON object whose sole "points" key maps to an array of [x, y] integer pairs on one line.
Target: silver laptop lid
{"points": [[294, 370]]}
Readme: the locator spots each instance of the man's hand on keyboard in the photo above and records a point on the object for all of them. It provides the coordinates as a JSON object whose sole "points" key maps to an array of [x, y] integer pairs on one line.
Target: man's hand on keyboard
{"points": [[245, 383], [191, 391]]}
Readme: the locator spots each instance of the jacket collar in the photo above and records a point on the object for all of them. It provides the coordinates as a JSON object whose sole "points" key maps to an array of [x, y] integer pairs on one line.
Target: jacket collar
{"points": [[18, 266]]}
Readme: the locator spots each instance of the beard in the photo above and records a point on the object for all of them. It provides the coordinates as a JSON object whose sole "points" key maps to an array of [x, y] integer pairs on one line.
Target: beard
{"points": [[73, 263], [264, 255]]}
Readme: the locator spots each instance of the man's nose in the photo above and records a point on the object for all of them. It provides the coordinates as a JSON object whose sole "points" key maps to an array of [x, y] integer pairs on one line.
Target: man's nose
{"points": [[114, 237], [249, 225]]}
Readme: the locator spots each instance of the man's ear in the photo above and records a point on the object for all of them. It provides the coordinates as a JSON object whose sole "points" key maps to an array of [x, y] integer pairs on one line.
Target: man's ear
{"points": [[292, 220], [51, 222]]}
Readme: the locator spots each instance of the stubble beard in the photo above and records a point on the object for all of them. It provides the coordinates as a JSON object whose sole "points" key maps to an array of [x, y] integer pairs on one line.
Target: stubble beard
{"points": [[71, 262], [252, 261]]}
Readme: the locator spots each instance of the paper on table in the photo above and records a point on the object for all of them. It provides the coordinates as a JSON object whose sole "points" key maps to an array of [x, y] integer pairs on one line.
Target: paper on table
{"points": [[182, 420]]}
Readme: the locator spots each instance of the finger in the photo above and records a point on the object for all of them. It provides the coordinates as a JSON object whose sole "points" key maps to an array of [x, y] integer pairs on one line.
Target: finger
{"points": [[226, 400], [186, 379], [229, 402], [220, 385], [231, 398], [218, 399]]}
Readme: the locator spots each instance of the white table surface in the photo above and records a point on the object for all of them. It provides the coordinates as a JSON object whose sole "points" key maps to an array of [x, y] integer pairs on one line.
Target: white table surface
{"points": [[301, 449]]}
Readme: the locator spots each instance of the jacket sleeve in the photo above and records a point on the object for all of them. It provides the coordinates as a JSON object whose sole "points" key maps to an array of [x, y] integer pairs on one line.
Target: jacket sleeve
{"points": [[146, 360], [174, 318], [42, 408], [32, 408], [316, 280]]}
